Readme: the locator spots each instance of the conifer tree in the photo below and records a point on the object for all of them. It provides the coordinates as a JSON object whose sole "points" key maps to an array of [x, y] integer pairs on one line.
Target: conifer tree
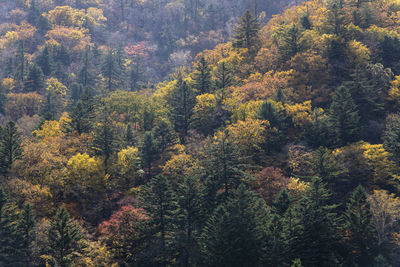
{"points": [[85, 75], [26, 228], [391, 136], [10, 237], [163, 135], [130, 138], [43, 24], [291, 44], [343, 116], [189, 199], [202, 77], [65, 238], [223, 171], [149, 153], [312, 234], [34, 81], [10, 146], [234, 235], [104, 139], [45, 61], [20, 62], [246, 31], [111, 70], [182, 102], [159, 201], [361, 238], [223, 76], [3, 98], [81, 117]]}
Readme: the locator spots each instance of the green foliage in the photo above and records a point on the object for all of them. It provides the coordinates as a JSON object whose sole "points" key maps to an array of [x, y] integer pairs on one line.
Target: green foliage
{"points": [[202, 77], [234, 234], [343, 116], [65, 238], [34, 80], [246, 32], [10, 146]]}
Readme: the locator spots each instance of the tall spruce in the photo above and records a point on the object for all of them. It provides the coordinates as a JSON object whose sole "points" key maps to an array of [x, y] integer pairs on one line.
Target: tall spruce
{"points": [[149, 153], [104, 136], [10, 146], [343, 116], [202, 77], [246, 32], [111, 70], [223, 76], [35, 79], [159, 201], [45, 61], [64, 238], [235, 235], [312, 228], [182, 101], [361, 237]]}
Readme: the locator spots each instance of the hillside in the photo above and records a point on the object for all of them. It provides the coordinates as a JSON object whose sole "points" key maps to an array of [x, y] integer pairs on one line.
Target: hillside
{"points": [[279, 145]]}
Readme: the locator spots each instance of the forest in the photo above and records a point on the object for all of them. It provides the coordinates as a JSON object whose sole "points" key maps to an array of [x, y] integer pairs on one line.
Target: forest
{"points": [[199, 133]]}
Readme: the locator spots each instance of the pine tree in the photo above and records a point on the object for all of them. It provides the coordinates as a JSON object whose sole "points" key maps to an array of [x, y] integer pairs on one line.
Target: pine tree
{"points": [[149, 153], [45, 61], [312, 234], [223, 76], [130, 138], [111, 70], [104, 139], [202, 77], [65, 238], [10, 146], [164, 135], [159, 201], [189, 196], [271, 112], [246, 32], [234, 235], [148, 118], [3, 98], [291, 44], [34, 81], [343, 116], [182, 102], [318, 133], [361, 238], [26, 228], [281, 203], [43, 25], [85, 75], [10, 237], [62, 55], [34, 13], [391, 136], [20, 61], [81, 117], [223, 171]]}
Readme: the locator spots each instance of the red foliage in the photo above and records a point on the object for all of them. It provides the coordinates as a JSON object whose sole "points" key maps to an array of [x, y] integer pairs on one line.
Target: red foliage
{"points": [[269, 182], [137, 50]]}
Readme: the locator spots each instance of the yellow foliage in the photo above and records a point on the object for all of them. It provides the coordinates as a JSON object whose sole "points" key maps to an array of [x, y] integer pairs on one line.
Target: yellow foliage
{"points": [[299, 113], [55, 86], [129, 157], [9, 83], [248, 135], [358, 52], [296, 186], [394, 91], [49, 129]]}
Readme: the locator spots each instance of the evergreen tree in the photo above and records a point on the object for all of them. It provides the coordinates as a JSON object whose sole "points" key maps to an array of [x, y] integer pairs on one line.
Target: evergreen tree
{"points": [[361, 238], [223, 76], [149, 153], [43, 25], [391, 136], [159, 201], [3, 98], [85, 75], [62, 55], [34, 13], [305, 22], [291, 44], [10, 246], [246, 32], [148, 118], [130, 138], [26, 228], [65, 238], [223, 171], [343, 116], [182, 102], [281, 203], [81, 117], [10, 146], [164, 135], [20, 62], [34, 81], [104, 139], [45, 61], [312, 233], [234, 235], [202, 77], [189, 196], [111, 70], [319, 133]]}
